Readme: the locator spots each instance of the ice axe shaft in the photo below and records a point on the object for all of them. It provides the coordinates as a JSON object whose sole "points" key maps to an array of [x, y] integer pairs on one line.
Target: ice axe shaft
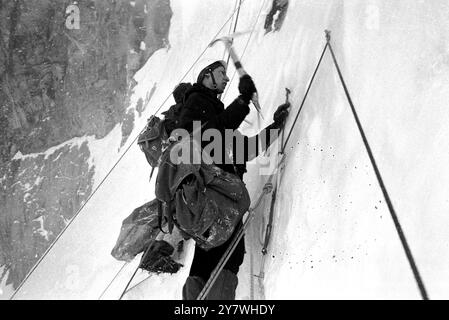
{"points": [[287, 100], [238, 66], [287, 94]]}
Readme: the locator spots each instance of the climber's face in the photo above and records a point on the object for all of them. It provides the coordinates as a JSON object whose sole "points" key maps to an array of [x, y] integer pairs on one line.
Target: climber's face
{"points": [[221, 79]]}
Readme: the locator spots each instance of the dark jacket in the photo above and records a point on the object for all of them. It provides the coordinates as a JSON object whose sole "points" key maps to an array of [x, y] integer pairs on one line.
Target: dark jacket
{"points": [[202, 104]]}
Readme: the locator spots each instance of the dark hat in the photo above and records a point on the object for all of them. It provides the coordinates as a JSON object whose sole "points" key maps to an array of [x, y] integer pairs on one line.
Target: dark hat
{"points": [[209, 69]]}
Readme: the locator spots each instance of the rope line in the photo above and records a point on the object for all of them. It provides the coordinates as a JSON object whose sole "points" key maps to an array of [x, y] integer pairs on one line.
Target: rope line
{"points": [[394, 216], [126, 290], [129, 282], [235, 28], [244, 50], [139, 283], [304, 99], [110, 283], [383, 188], [114, 166]]}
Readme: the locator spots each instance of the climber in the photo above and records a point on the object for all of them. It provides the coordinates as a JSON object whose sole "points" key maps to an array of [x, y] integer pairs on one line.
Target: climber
{"points": [[202, 104], [277, 14]]}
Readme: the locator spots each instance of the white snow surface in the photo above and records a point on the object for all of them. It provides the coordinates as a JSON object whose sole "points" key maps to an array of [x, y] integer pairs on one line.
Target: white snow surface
{"points": [[333, 236]]}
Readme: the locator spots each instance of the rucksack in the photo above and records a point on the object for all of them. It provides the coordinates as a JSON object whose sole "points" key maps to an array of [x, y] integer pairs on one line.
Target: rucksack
{"points": [[153, 140], [138, 230], [203, 201]]}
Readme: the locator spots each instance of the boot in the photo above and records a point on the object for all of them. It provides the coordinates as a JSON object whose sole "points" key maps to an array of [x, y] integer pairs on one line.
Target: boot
{"points": [[223, 288], [192, 288]]}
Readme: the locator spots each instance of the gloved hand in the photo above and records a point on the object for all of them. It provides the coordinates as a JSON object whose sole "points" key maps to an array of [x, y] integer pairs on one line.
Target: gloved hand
{"points": [[247, 88], [281, 114]]}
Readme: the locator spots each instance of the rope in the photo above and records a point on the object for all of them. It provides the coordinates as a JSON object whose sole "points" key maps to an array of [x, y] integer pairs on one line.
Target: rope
{"points": [[126, 290], [304, 99], [394, 216], [114, 166], [135, 271], [129, 282], [235, 28], [110, 283], [139, 283], [269, 225], [244, 50]]}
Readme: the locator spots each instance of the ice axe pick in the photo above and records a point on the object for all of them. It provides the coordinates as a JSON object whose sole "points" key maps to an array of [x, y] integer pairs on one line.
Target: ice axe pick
{"points": [[227, 40]]}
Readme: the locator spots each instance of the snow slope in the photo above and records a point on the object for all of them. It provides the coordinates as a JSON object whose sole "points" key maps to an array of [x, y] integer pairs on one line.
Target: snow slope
{"points": [[333, 236]]}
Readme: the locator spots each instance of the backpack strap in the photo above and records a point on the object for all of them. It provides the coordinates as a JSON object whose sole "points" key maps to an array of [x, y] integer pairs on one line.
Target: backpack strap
{"points": [[160, 211], [169, 216], [165, 211]]}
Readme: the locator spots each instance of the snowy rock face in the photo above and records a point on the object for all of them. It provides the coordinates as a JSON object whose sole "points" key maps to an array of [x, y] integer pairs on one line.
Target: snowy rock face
{"points": [[39, 196], [58, 83]]}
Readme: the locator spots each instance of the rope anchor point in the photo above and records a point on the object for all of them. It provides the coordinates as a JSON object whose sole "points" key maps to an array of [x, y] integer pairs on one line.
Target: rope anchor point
{"points": [[328, 35]]}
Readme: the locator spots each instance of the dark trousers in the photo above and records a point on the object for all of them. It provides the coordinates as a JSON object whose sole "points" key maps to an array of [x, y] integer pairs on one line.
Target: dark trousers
{"points": [[204, 262]]}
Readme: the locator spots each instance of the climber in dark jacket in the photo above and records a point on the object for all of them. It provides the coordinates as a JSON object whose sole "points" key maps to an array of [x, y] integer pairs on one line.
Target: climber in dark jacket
{"points": [[202, 104]]}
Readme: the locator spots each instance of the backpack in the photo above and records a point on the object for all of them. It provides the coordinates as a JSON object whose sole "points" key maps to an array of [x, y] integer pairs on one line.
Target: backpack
{"points": [[138, 230], [152, 140], [203, 201]]}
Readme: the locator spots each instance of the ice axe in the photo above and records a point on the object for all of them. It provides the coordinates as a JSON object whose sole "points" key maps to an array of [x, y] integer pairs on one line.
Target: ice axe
{"points": [[227, 40]]}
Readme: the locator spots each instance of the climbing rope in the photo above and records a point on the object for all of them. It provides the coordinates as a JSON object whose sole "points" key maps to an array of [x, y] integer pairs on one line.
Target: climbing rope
{"points": [[304, 99], [135, 272], [110, 283], [235, 27], [115, 165], [244, 50], [126, 290], [139, 283], [269, 227], [387, 198], [394, 216]]}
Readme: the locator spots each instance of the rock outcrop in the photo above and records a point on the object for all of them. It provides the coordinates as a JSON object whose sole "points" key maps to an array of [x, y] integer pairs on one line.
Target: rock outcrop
{"points": [[56, 84]]}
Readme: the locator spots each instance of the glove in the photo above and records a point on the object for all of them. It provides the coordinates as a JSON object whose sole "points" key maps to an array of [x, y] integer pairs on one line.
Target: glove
{"points": [[247, 88], [281, 115]]}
